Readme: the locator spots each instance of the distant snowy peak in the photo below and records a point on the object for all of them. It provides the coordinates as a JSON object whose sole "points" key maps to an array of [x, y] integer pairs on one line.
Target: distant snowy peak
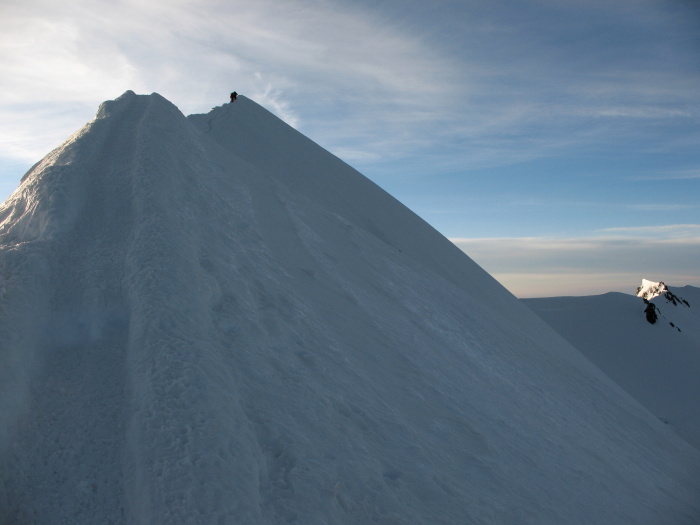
{"points": [[650, 289]]}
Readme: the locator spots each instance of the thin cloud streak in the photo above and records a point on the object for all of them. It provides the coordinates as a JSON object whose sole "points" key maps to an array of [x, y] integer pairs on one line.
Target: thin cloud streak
{"points": [[612, 261], [668, 176], [674, 232]]}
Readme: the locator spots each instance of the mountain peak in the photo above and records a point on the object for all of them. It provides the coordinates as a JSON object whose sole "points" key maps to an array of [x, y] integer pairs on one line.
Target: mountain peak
{"points": [[129, 99], [650, 289], [109, 106], [214, 320]]}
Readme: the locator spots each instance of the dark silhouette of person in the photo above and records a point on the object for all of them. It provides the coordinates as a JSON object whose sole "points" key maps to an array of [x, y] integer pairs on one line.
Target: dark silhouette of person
{"points": [[234, 96]]}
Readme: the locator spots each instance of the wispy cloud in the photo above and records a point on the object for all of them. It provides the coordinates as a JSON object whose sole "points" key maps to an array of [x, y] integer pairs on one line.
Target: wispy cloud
{"points": [[291, 56], [615, 259], [273, 98], [661, 233], [462, 80], [651, 207], [686, 175]]}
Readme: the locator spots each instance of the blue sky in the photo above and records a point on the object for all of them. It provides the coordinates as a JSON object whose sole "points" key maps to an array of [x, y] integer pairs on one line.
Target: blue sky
{"points": [[557, 142]]}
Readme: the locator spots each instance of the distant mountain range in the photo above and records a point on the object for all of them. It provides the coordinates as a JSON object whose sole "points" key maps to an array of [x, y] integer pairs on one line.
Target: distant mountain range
{"points": [[648, 343]]}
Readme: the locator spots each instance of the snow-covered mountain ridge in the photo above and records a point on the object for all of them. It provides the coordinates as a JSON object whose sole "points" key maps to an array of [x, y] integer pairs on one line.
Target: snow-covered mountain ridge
{"points": [[213, 320], [649, 344]]}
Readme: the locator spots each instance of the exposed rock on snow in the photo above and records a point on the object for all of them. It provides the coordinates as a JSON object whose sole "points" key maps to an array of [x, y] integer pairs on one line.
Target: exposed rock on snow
{"points": [[650, 312], [649, 291], [213, 320]]}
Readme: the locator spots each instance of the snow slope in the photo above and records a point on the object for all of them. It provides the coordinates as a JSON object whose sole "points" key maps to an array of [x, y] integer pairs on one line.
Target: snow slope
{"points": [[659, 364], [213, 320]]}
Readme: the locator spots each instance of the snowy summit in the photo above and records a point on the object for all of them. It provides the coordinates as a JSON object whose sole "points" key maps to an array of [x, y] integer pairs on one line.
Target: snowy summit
{"points": [[211, 319], [650, 289]]}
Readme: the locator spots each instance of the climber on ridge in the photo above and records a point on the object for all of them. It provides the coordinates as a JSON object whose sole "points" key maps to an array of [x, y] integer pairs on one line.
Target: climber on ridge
{"points": [[234, 96]]}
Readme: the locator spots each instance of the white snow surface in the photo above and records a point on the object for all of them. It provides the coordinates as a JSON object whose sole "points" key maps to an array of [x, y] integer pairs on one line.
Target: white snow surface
{"points": [[650, 289], [213, 320], [658, 364]]}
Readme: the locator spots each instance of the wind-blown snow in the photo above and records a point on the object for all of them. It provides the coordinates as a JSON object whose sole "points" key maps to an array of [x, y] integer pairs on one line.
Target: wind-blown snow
{"points": [[213, 320]]}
